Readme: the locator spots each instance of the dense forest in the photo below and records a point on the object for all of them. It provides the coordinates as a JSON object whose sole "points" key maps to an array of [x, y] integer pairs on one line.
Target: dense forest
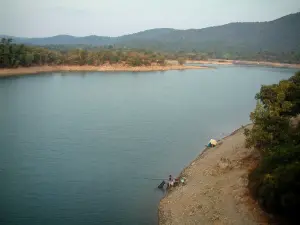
{"points": [[276, 134], [14, 55]]}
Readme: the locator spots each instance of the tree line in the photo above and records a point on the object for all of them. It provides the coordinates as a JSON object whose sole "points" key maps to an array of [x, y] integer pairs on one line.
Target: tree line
{"points": [[276, 134], [14, 55]]}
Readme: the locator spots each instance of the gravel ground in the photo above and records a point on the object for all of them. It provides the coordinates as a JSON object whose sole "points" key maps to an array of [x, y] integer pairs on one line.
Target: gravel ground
{"points": [[216, 189]]}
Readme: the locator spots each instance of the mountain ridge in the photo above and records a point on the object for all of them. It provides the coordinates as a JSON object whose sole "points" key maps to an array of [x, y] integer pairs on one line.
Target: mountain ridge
{"points": [[279, 35]]}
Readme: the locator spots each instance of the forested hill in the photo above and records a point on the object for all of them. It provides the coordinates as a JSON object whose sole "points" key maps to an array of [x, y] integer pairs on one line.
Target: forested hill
{"points": [[281, 35], [277, 36]]}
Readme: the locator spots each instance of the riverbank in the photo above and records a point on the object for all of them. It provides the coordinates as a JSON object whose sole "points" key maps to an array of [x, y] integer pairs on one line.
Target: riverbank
{"points": [[244, 62], [210, 61], [216, 190], [86, 68]]}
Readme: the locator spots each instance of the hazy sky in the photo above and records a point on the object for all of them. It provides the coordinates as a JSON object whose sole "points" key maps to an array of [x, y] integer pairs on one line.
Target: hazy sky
{"points": [[40, 18]]}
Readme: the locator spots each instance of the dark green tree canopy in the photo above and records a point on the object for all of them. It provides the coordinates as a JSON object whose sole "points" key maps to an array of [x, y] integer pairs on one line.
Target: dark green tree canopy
{"points": [[276, 133]]}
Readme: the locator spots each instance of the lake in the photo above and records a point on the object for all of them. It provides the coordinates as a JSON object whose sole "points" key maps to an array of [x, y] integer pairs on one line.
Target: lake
{"points": [[91, 148]]}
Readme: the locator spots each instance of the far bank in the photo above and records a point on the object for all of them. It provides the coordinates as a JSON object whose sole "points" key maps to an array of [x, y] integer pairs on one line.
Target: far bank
{"points": [[106, 68], [244, 62]]}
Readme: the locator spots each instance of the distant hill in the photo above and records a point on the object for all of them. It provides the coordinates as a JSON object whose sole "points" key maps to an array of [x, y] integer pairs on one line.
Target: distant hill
{"points": [[280, 35], [64, 40]]}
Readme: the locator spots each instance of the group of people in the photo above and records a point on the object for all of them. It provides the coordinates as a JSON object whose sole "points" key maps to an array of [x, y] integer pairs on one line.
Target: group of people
{"points": [[171, 181], [174, 181]]}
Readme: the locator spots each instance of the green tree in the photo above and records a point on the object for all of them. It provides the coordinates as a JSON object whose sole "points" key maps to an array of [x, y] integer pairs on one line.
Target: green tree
{"points": [[276, 133], [181, 61], [161, 60], [135, 61], [29, 59]]}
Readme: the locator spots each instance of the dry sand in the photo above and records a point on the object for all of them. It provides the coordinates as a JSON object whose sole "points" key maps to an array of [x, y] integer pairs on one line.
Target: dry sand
{"points": [[263, 63], [104, 68], [216, 189], [211, 61], [244, 62]]}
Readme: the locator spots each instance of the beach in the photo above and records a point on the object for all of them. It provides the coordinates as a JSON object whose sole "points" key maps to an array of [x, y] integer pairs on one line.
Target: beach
{"points": [[216, 190], [172, 65], [86, 68], [244, 62], [210, 61]]}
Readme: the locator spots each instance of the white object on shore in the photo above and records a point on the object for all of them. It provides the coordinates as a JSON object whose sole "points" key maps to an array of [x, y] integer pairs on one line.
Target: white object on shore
{"points": [[213, 142]]}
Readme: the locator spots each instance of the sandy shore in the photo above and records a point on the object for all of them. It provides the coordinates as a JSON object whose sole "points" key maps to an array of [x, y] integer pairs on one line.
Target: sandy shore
{"points": [[210, 61], [216, 190], [105, 68], [263, 63], [244, 62]]}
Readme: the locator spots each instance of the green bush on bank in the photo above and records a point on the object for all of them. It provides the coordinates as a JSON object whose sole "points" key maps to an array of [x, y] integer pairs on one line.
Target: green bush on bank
{"points": [[276, 134]]}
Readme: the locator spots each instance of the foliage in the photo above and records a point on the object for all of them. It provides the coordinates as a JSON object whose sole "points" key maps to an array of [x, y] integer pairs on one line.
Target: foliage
{"points": [[181, 61], [276, 182], [276, 133], [14, 55]]}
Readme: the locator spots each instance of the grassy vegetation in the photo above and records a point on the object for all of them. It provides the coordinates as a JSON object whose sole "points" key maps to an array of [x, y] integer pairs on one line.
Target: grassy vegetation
{"points": [[276, 134]]}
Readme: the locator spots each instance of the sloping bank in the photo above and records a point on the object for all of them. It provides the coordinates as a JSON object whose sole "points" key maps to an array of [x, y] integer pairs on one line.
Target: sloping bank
{"points": [[86, 68], [216, 191]]}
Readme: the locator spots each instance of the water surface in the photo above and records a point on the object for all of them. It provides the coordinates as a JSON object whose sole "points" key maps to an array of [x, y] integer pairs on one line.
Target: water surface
{"points": [[86, 148]]}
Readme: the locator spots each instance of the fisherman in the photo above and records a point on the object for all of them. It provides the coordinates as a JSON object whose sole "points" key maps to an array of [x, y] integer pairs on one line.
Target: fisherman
{"points": [[170, 181]]}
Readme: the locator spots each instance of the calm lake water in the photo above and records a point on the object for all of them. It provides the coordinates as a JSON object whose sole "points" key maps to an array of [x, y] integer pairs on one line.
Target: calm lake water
{"points": [[86, 148]]}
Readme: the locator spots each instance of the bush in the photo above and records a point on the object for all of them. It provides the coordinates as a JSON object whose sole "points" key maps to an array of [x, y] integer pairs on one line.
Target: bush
{"points": [[276, 134], [135, 61], [181, 61], [276, 182]]}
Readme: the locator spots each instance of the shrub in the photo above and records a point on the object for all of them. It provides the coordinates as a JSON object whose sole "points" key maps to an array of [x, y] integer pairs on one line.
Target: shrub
{"points": [[276, 134], [181, 61], [135, 61], [276, 182]]}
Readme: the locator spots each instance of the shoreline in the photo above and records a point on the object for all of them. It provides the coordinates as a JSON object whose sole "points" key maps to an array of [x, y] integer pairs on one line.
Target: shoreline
{"points": [[6, 72], [245, 62], [85, 68], [216, 190]]}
